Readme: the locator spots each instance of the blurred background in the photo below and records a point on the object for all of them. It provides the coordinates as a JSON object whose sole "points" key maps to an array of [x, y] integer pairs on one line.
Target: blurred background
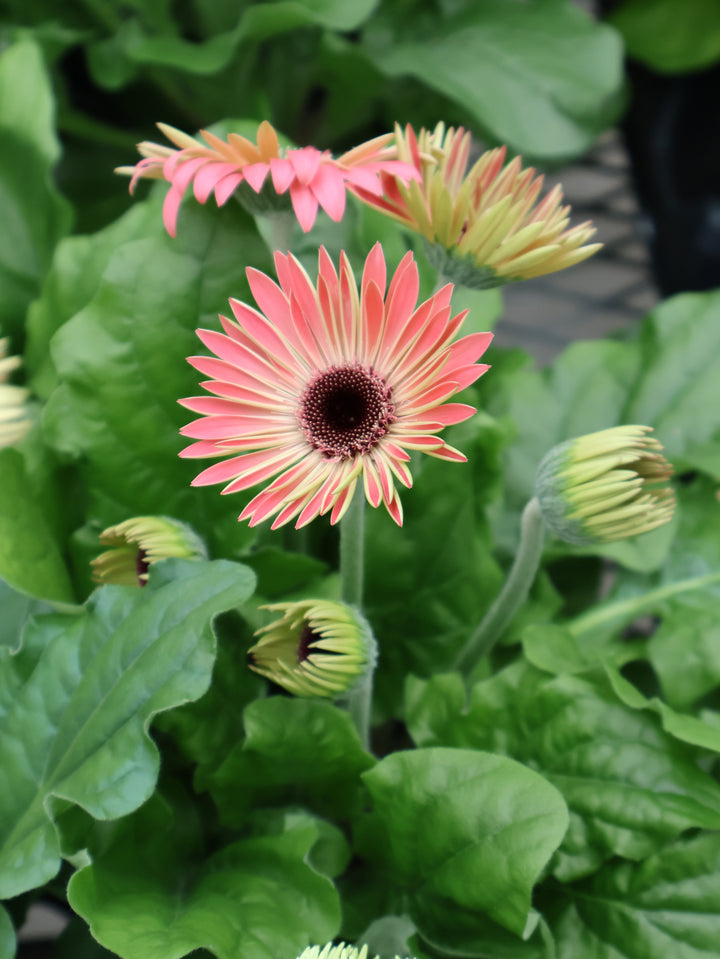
{"points": [[616, 99]]}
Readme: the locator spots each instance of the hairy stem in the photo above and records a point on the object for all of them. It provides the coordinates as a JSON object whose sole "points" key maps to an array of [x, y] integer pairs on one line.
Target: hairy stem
{"points": [[352, 544], [514, 591]]}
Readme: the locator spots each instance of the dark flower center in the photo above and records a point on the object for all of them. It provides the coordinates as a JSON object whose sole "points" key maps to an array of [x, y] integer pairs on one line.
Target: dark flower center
{"points": [[345, 411], [307, 638], [141, 567]]}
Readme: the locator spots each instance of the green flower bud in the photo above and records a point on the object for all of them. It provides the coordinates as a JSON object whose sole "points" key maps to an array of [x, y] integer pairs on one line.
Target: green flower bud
{"points": [[138, 543], [316, 648], [605, 486], [15, 418], [330, 951]]}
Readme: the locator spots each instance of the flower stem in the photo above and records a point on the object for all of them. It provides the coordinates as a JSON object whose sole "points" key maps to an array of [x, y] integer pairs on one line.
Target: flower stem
{"points": [[359, 703], [514, 591], [630, 608], [276, 230], [352, 550]]}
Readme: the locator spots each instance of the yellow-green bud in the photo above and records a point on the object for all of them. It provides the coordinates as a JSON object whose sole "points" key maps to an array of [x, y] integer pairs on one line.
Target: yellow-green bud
{"points": [[605, 486], [330, 951], [139, 542], [316, 648], [15, 419]]}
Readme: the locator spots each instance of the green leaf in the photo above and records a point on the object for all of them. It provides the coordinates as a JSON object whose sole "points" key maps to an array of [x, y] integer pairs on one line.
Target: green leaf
{"points": [[670, 37], [668, 905], [77, 701], [7, 936], [123, 368], [113, 60], [206, 731], [539, 77], [678, 390], [296, 751], [73, 280], [152, 894], [16, 610], [489, 826], [630, 786], [30, 560], [34, 215], [686, 728]]}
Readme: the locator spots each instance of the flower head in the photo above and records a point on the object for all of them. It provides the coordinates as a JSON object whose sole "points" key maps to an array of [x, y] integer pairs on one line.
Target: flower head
{"points": [[316, 648], [264, 174], [137, 543], [605, 486], [329, 385], [14, 415], [483, 227]]}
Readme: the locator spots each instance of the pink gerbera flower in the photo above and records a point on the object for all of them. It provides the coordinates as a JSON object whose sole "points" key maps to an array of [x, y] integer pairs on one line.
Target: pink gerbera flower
{"points": [[325, 385], [312, 178]]}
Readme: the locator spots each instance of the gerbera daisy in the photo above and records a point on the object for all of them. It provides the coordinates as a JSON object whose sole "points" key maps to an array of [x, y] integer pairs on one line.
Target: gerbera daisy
{"points": [[326, 385], [311, 178], [483, 227]]}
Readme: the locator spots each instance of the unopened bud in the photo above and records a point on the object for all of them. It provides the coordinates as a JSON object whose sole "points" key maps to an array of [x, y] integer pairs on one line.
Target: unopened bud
{"points": [[137, 543], [316, 648], [605, 486]]}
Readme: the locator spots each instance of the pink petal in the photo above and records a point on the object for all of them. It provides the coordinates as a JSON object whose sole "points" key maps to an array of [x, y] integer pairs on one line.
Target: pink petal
{"points": [[375, 269], [371, 482], [171, 206], [255, 175], [226, 187], [394, 508], [200, 450], [282, 173], [305, 205], [305, 163], [207, 178], [329, 189]]}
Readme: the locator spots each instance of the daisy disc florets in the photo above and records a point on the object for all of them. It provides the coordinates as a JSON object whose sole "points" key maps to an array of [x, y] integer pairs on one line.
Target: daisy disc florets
{"points": [[326, 385]]}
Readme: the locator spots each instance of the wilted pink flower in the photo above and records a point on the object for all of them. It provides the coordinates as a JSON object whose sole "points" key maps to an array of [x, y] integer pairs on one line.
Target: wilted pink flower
{"points": [[311, 177], [325, 385]]}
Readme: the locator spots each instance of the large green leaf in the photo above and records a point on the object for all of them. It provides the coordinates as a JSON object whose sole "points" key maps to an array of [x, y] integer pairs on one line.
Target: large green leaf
{"points": [[668, 36], [122, 365], [73, 280], [295, 751], [76, 701], [487, 829], [667, 906], [151, 893], [539, 77], [630, 786], [34, 216], [30, 559]]}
